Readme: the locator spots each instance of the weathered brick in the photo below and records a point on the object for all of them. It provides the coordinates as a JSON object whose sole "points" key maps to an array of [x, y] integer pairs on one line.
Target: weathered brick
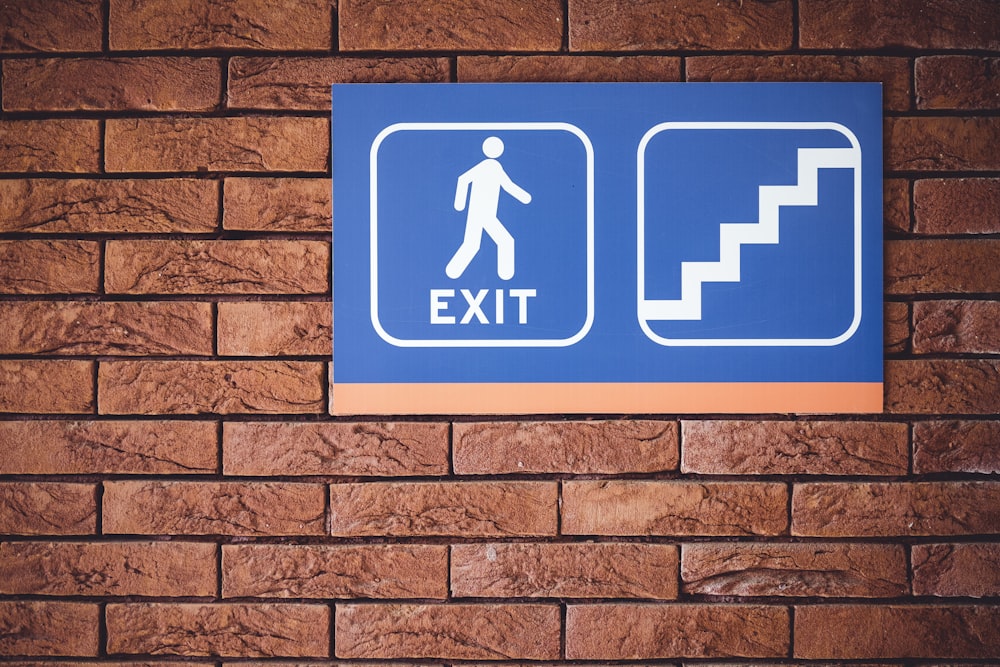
{"points": [[275, 329], [575, 447], [957, 82], [452, 25], [568, 68], [218, 387], [237, 630], [896, 317], [47, 205], [47, 508], [673, 508], [917, 631], [956, 205], [892, 73], [342, 571], [937, 143], [626, 25], [794, 448], [860, 24], [278, 204], [49, 267], [956, 326], [220, 24], [76, 327], [460, 632], [467, 509], [943, 386], [110, 447], [61, 145], [112, 84], [896, 204], [50, 25], [647, 631], [956, 446], [304, 83], [34, 385], [368, 449], [217, 144], [117, 569], [811, 570], [952, 266], [213, 508], [217, 267], [49, 628], [836, 509], [564, 570], [956, 570]]}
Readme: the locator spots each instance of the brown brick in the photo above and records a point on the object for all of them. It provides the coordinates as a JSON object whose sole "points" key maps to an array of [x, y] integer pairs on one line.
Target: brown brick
{"points": [[368, 449], [112, 84], [49, 267], [217, 267], [76, 327], [218, 144], [47, 508], [673, 508], [564, 570], [113, 206], [466, 509], [575, 447], [342, 571], [107, 447], [221, 24], [956, 570], [918, 631], [810, 570], [892, 73], [33, 385], [278, 204], [136, 568], [957, 82], [213, 508], [568, 68], [275, 329], [795, 448], [952, 266], [304, 83], [50, 25], [460, 632], [943, 386], [934, 143], [62, 145], [956, 446], [896, 204], [956, 205], [229, 630], [956, 326], [452, 25], [626, 25], [49, 628], [881, 509], [647, 631], [897, 327]]}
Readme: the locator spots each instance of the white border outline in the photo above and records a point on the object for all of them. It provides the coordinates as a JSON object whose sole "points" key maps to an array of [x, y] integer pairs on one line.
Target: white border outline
{"points": [[641, 244], [373, 203]]}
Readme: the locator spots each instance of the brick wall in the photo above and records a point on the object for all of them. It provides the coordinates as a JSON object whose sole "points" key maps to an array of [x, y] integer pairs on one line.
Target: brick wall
{"points": [[171, 485]]}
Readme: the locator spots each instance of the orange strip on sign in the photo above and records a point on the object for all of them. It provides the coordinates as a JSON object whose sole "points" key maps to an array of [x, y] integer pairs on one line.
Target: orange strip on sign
{"points": [[652, 397]]}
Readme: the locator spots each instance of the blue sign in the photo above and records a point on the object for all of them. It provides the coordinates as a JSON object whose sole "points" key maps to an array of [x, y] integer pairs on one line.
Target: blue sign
{"points": [[560, 248]]}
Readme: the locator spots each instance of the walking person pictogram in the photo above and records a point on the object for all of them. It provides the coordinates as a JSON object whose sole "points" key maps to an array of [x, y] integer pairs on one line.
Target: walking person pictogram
{"points": [[479, 188]]}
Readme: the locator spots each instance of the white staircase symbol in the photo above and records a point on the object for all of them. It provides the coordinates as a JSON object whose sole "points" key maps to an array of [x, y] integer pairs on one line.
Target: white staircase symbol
{"points": [[732, 236]]}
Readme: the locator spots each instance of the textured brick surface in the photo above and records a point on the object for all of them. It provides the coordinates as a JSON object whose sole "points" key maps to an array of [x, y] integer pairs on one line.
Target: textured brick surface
{"points": [[32, 385], [953, 570], [956, 326], [896, 204], [577, 447], [568, 68], [564, 570], [47, 508], [213, 508], [274, 329], [461, 632], [278, 204], [956, 205], [896, 319], [115, 447], [942, 143], [48, 628], [956, 446], [49, 267], [673, 508], [808, 569], [50, 25], [942, 266], [62, 145], [957, 82], [370, 449], [949, 386], [325, 571]]}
